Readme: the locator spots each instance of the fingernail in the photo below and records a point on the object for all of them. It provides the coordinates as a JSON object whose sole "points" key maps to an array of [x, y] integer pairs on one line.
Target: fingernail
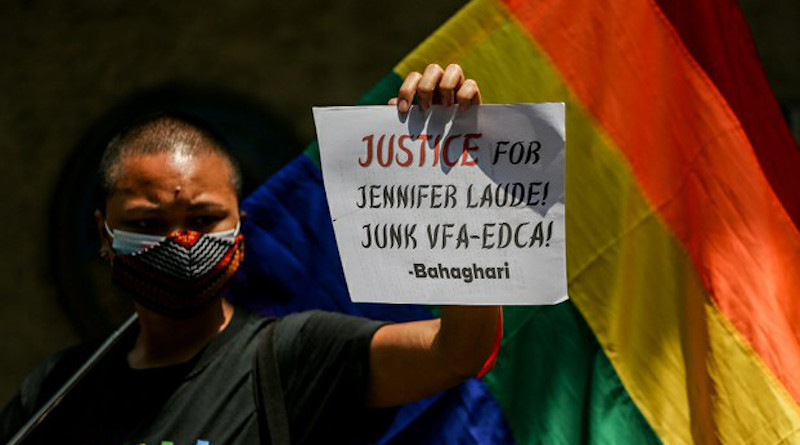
{"points": [[402, 105]]}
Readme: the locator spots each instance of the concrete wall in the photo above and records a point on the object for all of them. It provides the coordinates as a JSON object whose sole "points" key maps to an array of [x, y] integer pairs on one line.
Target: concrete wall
{"points": [[64, 66]]}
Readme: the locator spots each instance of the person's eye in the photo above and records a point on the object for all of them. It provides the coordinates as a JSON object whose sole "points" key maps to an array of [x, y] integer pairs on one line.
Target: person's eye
{"points": [[204, 223], [145, 225]]}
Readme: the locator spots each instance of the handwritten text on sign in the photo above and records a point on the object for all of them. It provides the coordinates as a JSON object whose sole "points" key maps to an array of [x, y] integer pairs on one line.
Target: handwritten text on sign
{"points": [[445, 206]]}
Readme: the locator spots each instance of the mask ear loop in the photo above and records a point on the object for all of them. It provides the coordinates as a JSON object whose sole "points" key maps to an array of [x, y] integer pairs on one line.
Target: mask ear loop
{"points": [[108, 230], [103, 252], [233, 233]]}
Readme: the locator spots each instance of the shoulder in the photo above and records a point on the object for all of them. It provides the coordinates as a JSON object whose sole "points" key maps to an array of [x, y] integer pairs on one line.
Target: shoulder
{"points": [[41, 384], [322, 338], [45, 380], [324, 328], [323, 361]]}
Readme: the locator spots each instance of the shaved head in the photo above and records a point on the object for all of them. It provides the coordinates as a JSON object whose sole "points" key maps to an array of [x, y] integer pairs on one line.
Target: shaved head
{"points": [[181, 137]]}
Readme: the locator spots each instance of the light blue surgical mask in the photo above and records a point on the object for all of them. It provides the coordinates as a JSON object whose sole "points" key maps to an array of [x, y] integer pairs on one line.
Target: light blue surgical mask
{"points": [[128, 243]]}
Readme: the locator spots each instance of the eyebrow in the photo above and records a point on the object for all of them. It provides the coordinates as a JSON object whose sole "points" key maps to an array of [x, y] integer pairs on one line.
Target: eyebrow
{"points": [[146, 210], [206, 206]]}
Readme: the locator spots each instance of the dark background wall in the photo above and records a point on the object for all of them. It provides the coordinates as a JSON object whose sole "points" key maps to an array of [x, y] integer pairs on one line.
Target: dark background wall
{"points": [[65, 66]]}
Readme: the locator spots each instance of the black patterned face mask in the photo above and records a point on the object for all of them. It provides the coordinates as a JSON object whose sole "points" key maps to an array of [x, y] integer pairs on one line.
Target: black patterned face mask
{"points": [[182, 273]]}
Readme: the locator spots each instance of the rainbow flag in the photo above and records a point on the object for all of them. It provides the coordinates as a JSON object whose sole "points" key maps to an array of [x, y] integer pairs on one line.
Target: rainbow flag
{"points": [[683, 232]]}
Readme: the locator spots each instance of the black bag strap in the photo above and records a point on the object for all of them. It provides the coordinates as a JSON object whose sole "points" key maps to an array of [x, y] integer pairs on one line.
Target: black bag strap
{"points": [[269, 394]]}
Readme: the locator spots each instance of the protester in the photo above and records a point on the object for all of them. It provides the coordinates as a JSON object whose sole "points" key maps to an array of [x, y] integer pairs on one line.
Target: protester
{"points": [[197, 370]]}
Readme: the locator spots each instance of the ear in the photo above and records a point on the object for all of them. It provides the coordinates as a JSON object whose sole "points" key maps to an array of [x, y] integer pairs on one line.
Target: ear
{"points": [[242, 217], [105, 241]]}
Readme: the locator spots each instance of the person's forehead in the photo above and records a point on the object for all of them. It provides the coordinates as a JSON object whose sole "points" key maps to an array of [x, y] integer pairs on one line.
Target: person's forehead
{"points": [[167, 172]]}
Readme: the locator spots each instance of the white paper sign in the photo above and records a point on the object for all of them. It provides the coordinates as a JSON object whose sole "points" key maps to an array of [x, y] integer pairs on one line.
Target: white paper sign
{"points": [[445, 206]]}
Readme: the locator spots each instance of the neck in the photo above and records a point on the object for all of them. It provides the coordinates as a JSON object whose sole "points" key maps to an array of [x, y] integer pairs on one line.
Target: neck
{"points": [[165, 341]]}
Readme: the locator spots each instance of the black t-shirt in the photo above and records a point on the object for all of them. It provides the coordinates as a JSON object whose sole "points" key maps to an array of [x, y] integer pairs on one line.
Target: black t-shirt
{"points": [[323, 360]]}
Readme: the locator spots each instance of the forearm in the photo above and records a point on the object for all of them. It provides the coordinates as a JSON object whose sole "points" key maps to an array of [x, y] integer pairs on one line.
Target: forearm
{"points": [[409, 361], [466, 337]]}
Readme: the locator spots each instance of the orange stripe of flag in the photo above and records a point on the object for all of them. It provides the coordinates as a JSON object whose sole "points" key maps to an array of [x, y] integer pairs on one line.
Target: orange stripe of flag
{"points": [[690, 156]]}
